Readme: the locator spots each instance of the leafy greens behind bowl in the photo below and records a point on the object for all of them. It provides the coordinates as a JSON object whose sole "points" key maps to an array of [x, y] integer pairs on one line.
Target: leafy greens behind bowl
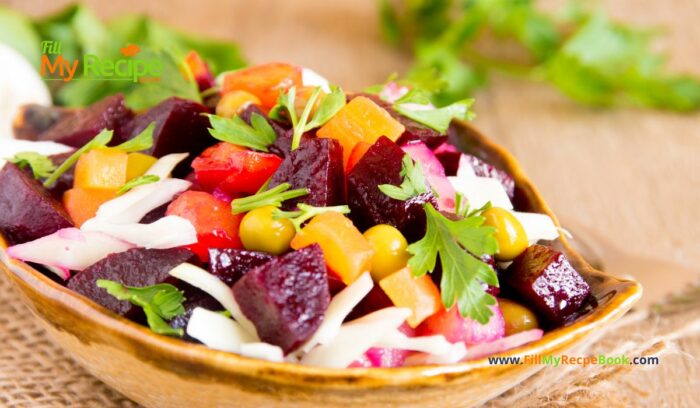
{"points": [[81, 32]]}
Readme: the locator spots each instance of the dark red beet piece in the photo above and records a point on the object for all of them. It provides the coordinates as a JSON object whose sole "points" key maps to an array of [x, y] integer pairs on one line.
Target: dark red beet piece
{"points": [[450, 161], [369, 206], [65, 181], [33, 120], [229, 264], [80, 127], [376, 299], [483, 169], [181, 127], [194, 298], [545, 279], [155, 214], [27, 209], [286, 298], [317, 164], [136, 267]]}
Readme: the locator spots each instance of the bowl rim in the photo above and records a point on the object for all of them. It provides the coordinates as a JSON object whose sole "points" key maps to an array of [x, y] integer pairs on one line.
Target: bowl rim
{"points": [[179, 350]]}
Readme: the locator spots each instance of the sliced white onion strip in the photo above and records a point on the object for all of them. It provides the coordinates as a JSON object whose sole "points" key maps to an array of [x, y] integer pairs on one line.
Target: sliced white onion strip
{"points": [[263, 351], [216, 331], [480, 190], [309, 77], [436, 344], [166, 164], [537, 226], [217, 289], [339, 308], [503, 344], [356, 337], [168, 232], [132, 206], [68, 249], [456, 353]]}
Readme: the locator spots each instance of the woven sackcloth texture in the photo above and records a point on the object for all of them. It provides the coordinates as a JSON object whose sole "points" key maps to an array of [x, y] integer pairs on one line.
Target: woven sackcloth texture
{"points": [[36, 373]]}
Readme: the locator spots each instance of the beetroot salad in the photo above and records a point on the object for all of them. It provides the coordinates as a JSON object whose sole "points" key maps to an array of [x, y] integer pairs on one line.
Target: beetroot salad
{"points": [[285, 219]]}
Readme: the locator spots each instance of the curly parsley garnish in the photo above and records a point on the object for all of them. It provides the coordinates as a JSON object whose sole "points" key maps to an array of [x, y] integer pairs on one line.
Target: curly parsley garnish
{"points": [[259, 135], [159, 302], [41, 165], [458, 244], [413, 183], [328, 106]]}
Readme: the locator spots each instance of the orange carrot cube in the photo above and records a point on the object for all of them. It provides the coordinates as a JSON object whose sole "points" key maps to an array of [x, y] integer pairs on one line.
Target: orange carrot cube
{"points": [[361, 120], [416, 293], [101, 168], [346, 250], [264, 81], [82, 204]]}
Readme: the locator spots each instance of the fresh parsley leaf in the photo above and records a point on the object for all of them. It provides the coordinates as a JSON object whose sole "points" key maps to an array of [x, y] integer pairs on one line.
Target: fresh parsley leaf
{"points": [[159, 302], [585, 55], [328, 106], [437, 118], [259, 135], [307, 212], [274, 196], [457, 243], [41, 165], [100, 140], [138, 181], [142, 141], [413, 184]]}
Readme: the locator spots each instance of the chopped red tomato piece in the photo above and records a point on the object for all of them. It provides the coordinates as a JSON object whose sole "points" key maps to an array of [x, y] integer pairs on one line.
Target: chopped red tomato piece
{"points": [[234, 169], [216, 226], [264, 81]]}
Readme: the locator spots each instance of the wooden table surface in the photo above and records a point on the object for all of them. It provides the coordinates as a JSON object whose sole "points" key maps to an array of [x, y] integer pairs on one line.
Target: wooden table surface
{"points": [[631, 177]]}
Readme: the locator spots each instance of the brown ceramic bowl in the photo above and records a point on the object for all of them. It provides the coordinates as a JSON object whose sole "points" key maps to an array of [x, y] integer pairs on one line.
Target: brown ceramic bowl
{"points": [[158, 371]]}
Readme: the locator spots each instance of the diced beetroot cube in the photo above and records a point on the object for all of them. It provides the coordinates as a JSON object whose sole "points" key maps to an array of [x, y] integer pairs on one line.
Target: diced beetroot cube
{"points": [[234, 169], [194, 298], [79, 128], [155, 214], [230, 264], [376, 299], [27, 209], [483, 169], [369, 206], [181, 127], [545, 279], [456, 328], [317, 164], [450, 161], [33, 120], [286, 298], [136, 267]]}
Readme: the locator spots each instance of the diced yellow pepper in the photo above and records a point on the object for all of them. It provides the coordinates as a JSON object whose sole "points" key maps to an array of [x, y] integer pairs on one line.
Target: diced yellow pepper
{"points": [[101, 168], [416, 293], [138, 164], [346, 251]]}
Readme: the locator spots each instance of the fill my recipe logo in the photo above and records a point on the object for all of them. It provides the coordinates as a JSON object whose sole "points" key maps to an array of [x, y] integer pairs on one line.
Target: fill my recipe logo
{"points": [[56, 67]]}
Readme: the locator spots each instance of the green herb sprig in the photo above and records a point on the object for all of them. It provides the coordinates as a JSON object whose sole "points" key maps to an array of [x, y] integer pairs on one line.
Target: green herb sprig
{"points": [[259, 135], [307, 212], [436, 118], [274, 196], [41, 165], [138, 181], [580, 51], [457, 244], [413, 183], [159, 302], [328, 106]]}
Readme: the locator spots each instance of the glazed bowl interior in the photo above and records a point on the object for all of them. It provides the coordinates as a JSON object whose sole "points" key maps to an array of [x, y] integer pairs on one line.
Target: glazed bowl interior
{"points": [[85, 328]]}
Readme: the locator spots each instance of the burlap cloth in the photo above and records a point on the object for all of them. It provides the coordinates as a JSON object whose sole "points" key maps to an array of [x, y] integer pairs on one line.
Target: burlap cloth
{"points": [[36, 373]]}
